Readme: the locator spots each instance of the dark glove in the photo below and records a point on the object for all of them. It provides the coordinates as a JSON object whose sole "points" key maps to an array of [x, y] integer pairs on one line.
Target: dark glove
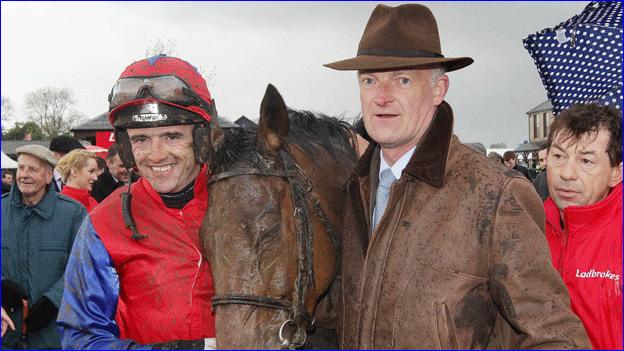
{"points": [[180, 345], [41, 314], [12, 295]]}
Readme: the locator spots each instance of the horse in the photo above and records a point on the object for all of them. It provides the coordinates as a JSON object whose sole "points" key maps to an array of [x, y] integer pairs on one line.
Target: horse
{"points": [[271, 231]]}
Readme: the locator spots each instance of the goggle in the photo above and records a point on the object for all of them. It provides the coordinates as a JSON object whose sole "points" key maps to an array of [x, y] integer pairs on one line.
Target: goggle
{"points": [[166, 88]]}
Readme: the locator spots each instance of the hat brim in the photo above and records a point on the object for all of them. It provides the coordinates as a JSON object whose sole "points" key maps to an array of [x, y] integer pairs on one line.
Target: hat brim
{"points": [[373, 62]]}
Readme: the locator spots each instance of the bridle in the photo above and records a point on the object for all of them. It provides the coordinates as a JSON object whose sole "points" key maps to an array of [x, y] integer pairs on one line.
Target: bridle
{"points": [[300, 187]]}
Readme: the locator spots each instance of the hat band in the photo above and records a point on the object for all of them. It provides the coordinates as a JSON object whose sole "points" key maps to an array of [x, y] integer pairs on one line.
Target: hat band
{"points": [[398, 53]]}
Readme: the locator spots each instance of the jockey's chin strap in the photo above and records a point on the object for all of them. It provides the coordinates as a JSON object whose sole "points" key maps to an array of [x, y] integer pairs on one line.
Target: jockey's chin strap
{"points": [[126, 211], [299, 319]]}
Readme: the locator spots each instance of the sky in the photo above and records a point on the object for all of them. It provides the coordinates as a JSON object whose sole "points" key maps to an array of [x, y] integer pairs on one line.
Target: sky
{"points": [[243, 46]]}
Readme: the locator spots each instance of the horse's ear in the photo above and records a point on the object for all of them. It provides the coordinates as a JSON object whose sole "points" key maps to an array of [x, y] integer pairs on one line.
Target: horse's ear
{"points": [[273, 123]]}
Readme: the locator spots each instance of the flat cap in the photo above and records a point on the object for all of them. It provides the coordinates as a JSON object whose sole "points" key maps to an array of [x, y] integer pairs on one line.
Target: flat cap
{"points": [[38, 151], [64, 144]]}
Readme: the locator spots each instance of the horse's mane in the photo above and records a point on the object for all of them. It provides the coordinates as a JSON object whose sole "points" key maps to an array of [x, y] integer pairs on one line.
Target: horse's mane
{"points": [[307, 130]]}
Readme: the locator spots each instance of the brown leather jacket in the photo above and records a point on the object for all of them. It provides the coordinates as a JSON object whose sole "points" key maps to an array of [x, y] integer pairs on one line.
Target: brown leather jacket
{"points": [[459, 259]]}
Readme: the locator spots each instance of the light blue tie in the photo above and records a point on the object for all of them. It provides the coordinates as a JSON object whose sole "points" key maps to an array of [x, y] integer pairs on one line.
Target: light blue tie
{"points": [[383, 193]]}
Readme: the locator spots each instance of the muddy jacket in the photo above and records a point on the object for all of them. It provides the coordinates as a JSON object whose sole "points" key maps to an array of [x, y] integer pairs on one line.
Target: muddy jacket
{"points": [[123, 293], [458, 260], [588, 254]]}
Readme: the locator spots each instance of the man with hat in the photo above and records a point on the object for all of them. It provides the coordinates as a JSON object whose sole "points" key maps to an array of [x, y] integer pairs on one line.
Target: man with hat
{"points": [[61, 145], [38, 229], [136, 277], [446, 249]]}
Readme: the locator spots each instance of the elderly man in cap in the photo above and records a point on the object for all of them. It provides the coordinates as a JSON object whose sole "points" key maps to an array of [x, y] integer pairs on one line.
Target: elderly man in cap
{"points": [[38, 230], [447, 249]]}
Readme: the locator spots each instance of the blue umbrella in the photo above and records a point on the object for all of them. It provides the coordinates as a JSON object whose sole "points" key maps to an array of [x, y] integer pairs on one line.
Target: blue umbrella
{"points": [[580, 60]]}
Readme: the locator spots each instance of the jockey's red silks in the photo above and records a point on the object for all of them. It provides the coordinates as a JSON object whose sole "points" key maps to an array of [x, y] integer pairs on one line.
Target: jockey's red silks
{"points": [[165, 284]]}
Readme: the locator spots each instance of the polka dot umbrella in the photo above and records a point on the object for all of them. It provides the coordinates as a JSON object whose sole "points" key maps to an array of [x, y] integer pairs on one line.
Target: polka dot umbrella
{"points": [[580, 60]]}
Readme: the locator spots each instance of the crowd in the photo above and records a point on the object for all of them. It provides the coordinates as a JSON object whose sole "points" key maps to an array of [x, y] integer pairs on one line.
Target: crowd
{"points": [[443, 247]]}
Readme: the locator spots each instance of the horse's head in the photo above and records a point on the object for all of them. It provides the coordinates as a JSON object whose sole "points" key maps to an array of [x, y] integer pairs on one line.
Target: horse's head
{"points": [[269, 232]]}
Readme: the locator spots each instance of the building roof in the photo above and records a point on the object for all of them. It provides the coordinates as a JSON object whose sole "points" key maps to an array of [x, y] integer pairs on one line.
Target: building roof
{"points": [[224, 123], [245, 122], [101, 122], [544, 106], [9, 146]]}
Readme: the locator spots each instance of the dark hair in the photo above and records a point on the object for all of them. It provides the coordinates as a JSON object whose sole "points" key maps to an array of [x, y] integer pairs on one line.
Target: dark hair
{"points": [[6, 171], [509, 155], [579, 121], [64, 144], [113, 151], [101, 163]]}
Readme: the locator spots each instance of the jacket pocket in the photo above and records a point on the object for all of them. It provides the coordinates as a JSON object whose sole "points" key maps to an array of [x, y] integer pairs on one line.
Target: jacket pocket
{"points": [[55, 254], [446, 330]]}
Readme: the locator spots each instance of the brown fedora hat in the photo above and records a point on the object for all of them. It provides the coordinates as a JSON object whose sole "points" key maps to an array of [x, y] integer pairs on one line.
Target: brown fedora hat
{"points": [[400, 37]]}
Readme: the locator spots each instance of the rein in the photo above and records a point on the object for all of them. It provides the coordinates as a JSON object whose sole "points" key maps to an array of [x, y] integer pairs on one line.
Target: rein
{"points": [[300, 187]]}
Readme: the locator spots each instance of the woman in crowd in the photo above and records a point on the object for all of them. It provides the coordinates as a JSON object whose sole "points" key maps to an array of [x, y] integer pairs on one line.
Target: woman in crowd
{"points": [[78, 171]]}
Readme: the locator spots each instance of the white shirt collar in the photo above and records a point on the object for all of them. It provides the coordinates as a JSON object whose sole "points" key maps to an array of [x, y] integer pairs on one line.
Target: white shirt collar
{"points": [[398, 167], [57, 177]]}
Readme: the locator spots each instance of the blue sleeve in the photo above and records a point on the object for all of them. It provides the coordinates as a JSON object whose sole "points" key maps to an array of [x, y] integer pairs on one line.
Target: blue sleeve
{"points": [[86, 317]]}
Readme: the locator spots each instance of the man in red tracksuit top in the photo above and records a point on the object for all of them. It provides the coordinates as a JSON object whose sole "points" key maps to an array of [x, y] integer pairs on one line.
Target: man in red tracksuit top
{"points": [[584, 216], [136, 278]]}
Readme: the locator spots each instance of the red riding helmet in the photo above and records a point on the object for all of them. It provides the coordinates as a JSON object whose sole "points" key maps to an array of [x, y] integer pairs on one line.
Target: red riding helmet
{"points": [[160, 91]]}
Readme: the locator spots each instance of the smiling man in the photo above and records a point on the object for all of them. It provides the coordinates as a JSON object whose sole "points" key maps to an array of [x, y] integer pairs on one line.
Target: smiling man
{"points": [[137, 278], [38, 229], [584, 216], [445, 249]]}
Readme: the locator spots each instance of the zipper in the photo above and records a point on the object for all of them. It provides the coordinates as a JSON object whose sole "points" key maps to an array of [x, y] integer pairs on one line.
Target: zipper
{"points": [[373, 237], [196, 274], [564, 251]]}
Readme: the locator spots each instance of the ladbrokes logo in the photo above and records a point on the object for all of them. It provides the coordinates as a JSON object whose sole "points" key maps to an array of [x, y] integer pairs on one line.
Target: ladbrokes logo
{"points": [[592, 273]]}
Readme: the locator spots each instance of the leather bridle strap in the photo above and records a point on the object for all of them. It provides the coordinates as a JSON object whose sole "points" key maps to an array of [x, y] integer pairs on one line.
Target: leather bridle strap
{"points": [[253, 300], [250, 171], [300, 187]]}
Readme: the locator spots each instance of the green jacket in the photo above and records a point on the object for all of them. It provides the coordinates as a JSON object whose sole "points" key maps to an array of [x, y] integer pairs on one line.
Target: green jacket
{"points": [[36, 243]]}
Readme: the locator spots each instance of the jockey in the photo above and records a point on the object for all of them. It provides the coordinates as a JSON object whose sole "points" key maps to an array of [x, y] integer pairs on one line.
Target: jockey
{"points": [[136, 277]]}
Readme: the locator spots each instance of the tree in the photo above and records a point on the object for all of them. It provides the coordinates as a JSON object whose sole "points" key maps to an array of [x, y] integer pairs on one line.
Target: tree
{"points": [[21, 130], [160, 47], [52, 109], [7, 109]]}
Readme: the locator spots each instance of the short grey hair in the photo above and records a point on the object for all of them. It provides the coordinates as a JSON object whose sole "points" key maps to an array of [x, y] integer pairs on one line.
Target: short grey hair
{"points": [[436, 73]]}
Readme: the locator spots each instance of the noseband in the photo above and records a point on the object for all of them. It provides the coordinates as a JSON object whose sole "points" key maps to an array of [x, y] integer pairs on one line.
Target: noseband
{"points": [[300, 187]]}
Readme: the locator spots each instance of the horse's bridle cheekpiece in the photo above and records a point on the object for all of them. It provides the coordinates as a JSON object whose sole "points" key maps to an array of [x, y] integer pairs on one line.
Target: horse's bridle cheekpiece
{"points": [[300, 187]]}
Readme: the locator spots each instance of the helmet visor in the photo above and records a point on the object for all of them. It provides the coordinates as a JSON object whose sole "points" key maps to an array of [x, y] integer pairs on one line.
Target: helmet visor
{"points": [[149, 113], [166, 88]]}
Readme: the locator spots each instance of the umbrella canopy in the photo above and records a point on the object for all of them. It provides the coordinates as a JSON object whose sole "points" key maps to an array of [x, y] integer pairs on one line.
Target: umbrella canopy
{"points": [[95, 148], [580, 60], [7, 162], [98, 150]]}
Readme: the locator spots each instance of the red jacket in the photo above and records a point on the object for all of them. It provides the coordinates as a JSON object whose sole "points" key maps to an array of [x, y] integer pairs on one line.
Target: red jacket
{"points": [[588, 255], [165, 284], [81, 196]]}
